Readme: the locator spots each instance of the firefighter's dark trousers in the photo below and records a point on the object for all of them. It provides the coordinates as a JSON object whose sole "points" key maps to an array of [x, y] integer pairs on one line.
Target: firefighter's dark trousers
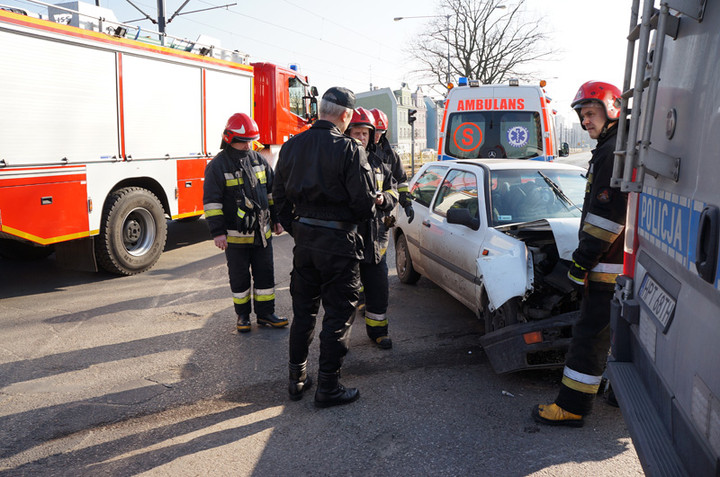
{"points": [[374, 278], [335, 281], [588, 352], [241, 262]]}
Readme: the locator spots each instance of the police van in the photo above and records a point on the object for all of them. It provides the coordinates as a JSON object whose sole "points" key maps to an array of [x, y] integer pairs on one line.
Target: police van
{"points": [[665, 359], [498, 121]]}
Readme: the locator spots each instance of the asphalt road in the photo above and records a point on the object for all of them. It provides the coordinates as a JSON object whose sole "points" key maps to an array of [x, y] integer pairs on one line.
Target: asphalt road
{"points": [[145, 375]]}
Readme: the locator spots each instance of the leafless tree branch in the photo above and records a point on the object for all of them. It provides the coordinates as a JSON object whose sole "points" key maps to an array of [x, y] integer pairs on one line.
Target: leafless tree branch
{"points": [[485, 42]]}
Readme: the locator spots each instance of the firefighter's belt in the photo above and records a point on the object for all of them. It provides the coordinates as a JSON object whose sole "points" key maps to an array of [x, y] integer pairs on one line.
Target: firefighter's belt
{"points": [[329, 224]]}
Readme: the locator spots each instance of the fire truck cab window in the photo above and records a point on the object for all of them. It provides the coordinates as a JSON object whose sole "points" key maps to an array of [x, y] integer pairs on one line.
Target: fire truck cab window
{"points": [[297, 91]]}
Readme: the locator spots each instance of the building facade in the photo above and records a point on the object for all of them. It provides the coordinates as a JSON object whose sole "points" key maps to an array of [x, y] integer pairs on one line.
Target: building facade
{"points": [[396, 104]]}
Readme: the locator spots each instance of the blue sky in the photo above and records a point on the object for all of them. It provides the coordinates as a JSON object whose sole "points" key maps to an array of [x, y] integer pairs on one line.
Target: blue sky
{"points": [[355, 44]]}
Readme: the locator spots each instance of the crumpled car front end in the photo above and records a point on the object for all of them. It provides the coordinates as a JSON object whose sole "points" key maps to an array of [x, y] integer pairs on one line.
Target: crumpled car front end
{"points": [[528, 304]]}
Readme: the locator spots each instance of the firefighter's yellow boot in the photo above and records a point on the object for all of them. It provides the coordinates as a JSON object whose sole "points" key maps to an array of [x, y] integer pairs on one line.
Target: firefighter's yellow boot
{"points": [[554, 415]]}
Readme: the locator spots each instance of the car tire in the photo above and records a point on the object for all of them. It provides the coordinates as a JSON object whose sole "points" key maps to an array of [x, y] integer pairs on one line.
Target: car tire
{"points": [[132, 233], [403, 263], [505, 315]]}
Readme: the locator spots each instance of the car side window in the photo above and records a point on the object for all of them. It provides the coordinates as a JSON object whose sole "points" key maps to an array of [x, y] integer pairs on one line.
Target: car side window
{"points": [[459, 190], [424, 188]]}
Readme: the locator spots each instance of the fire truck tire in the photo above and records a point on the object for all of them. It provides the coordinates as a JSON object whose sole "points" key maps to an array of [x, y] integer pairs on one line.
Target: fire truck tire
{"points": [[133, 232], [403, 263], [505, 315]]}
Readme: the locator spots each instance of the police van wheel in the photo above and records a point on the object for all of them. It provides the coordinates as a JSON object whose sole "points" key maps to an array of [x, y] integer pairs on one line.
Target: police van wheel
{"points": [[403, 263], [132, 232]]}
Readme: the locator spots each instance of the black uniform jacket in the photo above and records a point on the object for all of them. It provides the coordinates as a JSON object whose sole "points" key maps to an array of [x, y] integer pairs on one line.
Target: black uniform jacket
{"points": [[602, 227], [226, 183], [374, 231], [391, 158], [323, 174]]}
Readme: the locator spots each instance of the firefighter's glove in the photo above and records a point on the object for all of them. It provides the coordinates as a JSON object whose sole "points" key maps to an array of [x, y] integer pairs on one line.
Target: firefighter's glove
{"points": [[246, 216], [409, 212], [577, 274], [389, 221]]}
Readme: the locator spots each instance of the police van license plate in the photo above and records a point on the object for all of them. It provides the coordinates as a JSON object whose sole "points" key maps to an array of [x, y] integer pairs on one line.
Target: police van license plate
{"points": [[660, 303]]}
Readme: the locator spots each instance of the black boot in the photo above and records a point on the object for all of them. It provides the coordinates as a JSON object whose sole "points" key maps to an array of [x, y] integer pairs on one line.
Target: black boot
{"points": [[299, 381], [243, 323], [331, 393], [272, 320]]}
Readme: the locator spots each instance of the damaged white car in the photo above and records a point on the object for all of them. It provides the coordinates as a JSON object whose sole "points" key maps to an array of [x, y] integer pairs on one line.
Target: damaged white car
{"points": [[498, 235]]}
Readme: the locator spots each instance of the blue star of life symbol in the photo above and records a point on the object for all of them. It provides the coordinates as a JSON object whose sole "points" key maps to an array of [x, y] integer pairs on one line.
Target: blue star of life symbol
{"points": [[518, 136]]}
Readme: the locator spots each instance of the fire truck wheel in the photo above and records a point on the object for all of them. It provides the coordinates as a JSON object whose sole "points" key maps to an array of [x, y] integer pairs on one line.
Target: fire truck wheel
{"points": [[132, 233], [403, 262], [505, 315]]}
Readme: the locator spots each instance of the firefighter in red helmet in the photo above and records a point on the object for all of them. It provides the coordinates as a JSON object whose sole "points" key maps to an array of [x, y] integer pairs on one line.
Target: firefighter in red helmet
{"points": [[597, 261], [391, 158], [241, 216], [373, 267]]}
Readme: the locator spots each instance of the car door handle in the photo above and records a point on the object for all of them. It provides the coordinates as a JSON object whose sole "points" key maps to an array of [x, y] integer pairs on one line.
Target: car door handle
{"points": [[426, 223]]}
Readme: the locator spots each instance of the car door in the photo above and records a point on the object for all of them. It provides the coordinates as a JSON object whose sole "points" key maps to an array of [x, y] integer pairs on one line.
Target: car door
{"points": [[450, 250], [423, 192]]}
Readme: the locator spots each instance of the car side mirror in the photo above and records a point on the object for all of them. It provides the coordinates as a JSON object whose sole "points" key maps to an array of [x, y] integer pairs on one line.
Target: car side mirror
{"points": [[462, 216], [564, 150]]}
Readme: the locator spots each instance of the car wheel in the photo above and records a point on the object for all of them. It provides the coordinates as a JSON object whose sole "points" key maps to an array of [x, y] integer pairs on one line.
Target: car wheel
{"points": [[133, 232], [505, 315], [403, 262]]}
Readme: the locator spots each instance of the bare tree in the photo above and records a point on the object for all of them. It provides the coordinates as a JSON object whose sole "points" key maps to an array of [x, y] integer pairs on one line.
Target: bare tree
{"points": [[483, 39]]}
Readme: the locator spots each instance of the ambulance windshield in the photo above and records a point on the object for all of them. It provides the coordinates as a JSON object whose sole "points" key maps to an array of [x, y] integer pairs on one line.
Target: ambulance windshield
{"points": [[494, 135]]}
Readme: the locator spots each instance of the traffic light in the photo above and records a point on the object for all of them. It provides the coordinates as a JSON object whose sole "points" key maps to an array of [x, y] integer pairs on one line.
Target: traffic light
{"points": [[411, 116]]}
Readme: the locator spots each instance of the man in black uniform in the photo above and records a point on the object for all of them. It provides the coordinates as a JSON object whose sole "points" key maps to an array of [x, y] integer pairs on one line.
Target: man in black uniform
{"points": [[373, 267], [323, 189], [597, 261], [391, 158], [240, 213]]}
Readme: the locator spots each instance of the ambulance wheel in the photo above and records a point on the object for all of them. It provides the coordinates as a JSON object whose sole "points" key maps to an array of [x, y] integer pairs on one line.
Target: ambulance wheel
{"points": [[132, 232], [403, 263], [505, 315]]}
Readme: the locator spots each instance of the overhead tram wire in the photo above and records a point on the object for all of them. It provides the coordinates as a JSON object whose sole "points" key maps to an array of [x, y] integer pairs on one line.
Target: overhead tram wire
{"points": [[359, 34], [284, 48], [343, 46]]}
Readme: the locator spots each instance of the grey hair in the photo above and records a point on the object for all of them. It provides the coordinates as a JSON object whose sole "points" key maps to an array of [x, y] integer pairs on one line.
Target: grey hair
{"points": [[331, 111]]}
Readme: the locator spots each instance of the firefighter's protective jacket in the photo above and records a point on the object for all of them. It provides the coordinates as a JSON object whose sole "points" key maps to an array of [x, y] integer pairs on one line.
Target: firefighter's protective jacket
{"points": [[391, 158], [238, 183], [601, 235], [374, 231], [323, 174]]}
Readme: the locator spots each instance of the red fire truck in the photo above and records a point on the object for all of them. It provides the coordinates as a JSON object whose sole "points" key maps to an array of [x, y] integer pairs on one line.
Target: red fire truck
{"points": [[104, 135]]}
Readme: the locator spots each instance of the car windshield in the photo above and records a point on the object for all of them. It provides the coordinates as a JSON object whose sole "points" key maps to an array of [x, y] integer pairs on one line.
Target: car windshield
{"points": [[494, 134], [529, 194]]}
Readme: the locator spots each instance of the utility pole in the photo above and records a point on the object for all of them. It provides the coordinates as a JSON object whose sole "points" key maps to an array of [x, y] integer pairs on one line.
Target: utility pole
{"points": [[411, 122], [161, 20]]}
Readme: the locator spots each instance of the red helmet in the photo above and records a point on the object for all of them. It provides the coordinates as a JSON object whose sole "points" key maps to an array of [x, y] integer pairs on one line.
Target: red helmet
{"points": [[381, 120], [362, 117], [598, 92], [241, 127]]}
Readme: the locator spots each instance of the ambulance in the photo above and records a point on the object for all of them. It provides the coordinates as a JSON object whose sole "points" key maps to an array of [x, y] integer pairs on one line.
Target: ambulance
{"points": [[498, 121]]}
